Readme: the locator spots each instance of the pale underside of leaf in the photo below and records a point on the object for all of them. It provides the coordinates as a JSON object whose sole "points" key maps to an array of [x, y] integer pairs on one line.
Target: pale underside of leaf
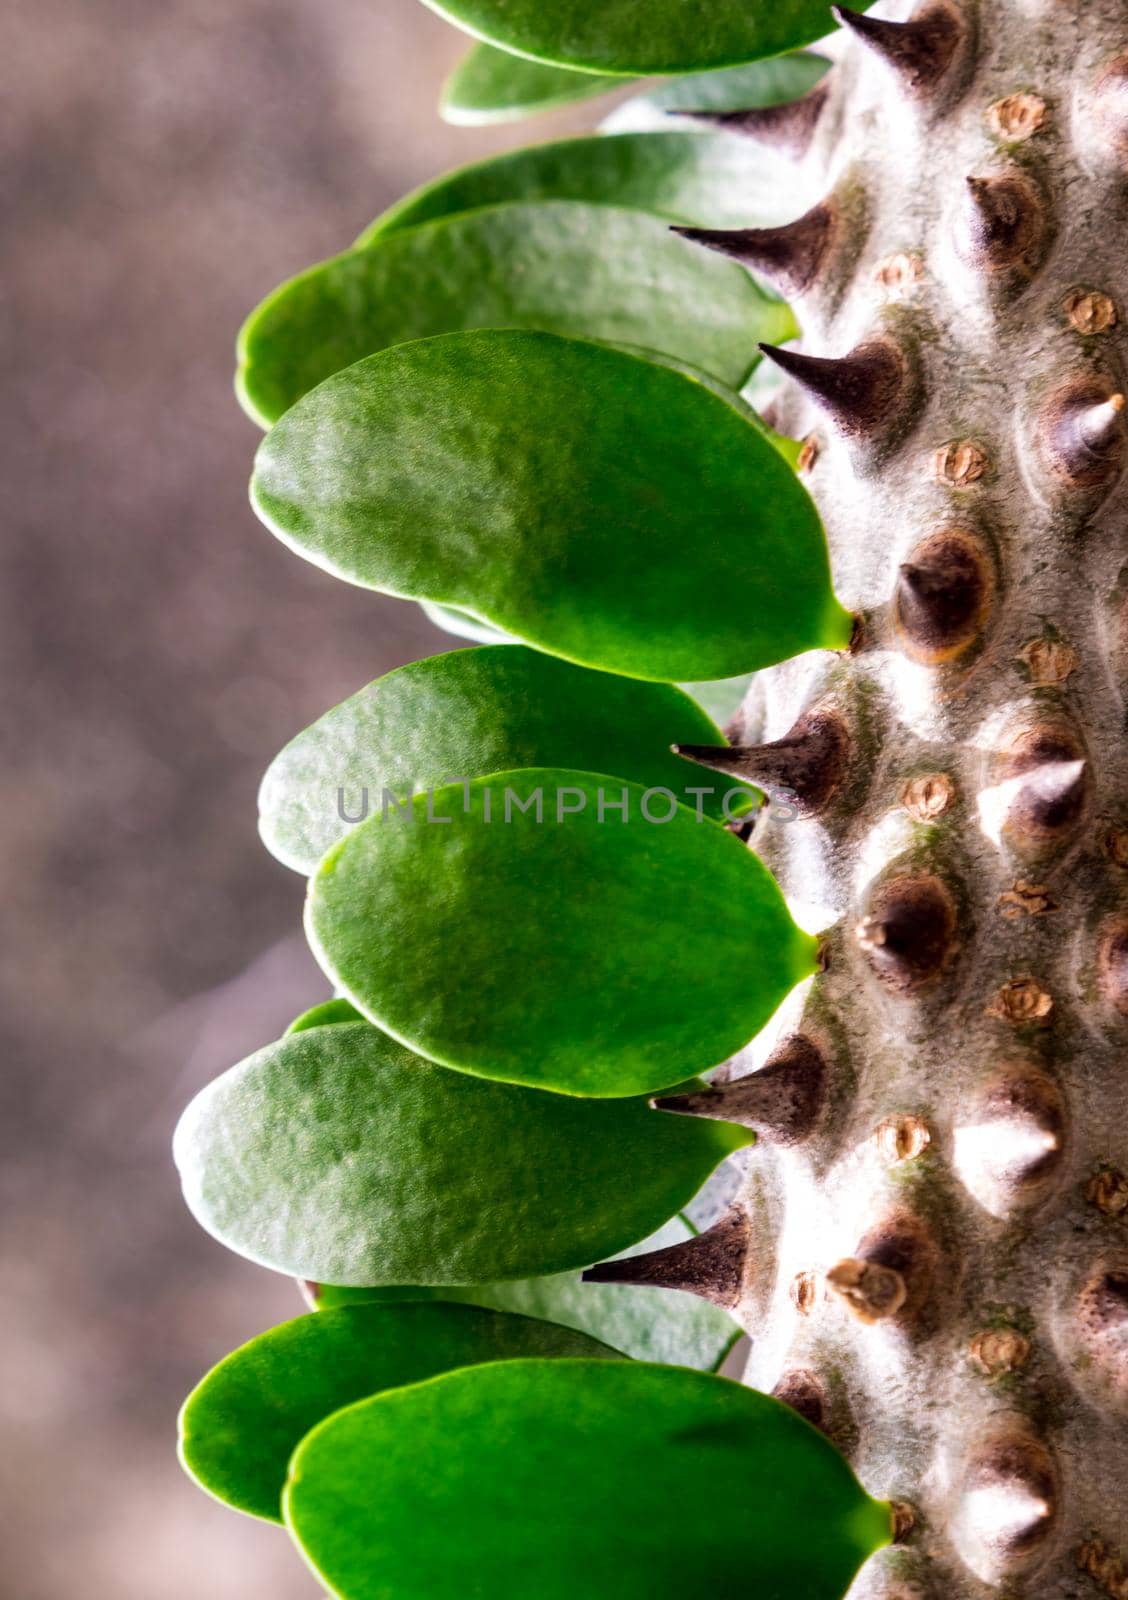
{"points": [[649, 1325], [707, 179], [336, 1155], [490, 86], [243, 1421], [464, 715]]}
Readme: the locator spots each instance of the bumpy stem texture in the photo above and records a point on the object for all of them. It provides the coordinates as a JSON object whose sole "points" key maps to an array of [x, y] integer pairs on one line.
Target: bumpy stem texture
{"points": [[938, 1272]]}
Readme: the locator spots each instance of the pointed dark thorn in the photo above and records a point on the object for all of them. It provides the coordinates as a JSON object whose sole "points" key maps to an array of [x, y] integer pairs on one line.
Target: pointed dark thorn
{"points": [[782, 1102], [1084, 434], [805, 768], [1008, 1503], [711, 1265], [788, 128], [920, 51], [1041, 788], [861, 391], [1005, 223], [941, 596], [790, 257], [910, 930], [1010, 1142], [1102, 426]]}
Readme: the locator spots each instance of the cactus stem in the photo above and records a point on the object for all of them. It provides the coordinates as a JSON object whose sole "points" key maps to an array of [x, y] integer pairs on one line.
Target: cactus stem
{"points": [[782, 1101], [790, 257], [712, 1265], [788, 128], [920, 51], [808, 764], [1040, 791], [861, 391]]}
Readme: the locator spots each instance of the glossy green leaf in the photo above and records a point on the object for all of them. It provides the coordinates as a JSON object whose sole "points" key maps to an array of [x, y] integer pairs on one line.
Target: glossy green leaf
{"points": [[760, 83], [593, 271], [241, 1424], [467, 714], [538, 937], [609, 509], [562, 1478], [489, 86], [325, 1015], [712, 180], [675, 1327], [337, 1155], [624, 37], [670, 1326]]}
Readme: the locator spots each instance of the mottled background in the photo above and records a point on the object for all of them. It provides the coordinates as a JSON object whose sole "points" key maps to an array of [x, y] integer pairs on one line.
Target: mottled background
{"points": [[162, 167]]}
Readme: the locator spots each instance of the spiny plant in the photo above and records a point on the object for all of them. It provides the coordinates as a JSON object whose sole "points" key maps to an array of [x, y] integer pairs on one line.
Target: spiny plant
{"points": [[524, 399]]}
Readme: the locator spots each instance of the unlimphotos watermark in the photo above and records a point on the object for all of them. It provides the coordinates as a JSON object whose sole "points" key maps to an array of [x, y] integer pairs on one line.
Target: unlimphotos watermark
{"points": [[553, 804]]}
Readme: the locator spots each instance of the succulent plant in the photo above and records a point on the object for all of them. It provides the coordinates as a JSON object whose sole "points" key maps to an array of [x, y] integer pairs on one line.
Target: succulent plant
{"points": [[862, 957]]}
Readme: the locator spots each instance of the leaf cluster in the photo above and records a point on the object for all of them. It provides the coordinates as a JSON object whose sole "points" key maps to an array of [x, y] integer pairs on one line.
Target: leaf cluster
{"points": [[516, 399]]}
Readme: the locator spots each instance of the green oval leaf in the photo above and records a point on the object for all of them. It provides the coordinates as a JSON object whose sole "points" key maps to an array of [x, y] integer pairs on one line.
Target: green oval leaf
{"points": [[325, 1015], [557, 1479], [336, 1155], [562, 265], [711, 180], [672, 1326], [489, 86], [241, 1424], [760, 83], [467, 714], [623, 37], [538, 937], [532, 481]]}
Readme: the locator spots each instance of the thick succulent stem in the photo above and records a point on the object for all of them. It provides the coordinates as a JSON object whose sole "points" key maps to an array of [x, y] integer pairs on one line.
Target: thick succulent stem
{"points": [[948, 1291]]}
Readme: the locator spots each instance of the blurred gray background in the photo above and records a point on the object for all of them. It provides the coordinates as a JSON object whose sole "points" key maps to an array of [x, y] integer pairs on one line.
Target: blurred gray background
{"points": [[163, 166]]}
